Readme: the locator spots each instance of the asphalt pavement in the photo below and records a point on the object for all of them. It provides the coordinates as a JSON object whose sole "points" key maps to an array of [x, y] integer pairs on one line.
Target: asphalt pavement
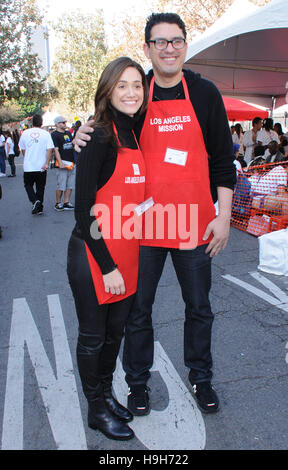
{"points": [[41, 402]]}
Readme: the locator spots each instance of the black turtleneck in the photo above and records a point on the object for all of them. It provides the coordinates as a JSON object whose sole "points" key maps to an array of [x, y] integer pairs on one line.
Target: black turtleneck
{"points": [[95, 167]]}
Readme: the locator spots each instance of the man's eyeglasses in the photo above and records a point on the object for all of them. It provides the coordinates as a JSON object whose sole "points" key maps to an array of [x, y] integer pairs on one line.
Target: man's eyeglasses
{"points": [[161, 44]]}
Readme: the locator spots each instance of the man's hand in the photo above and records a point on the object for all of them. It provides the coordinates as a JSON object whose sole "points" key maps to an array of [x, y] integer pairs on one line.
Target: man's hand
{"points": [[220, 227], [114, 282], [82, 136]]}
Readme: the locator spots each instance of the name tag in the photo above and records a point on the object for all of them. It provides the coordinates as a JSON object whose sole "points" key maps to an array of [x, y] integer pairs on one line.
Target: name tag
{"points": [[177, 157], [136, 169], [144, 206]]}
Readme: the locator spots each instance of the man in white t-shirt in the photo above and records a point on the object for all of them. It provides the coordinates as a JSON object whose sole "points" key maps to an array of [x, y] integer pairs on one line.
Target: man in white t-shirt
{"points": [[36, 145], [250, 139]]}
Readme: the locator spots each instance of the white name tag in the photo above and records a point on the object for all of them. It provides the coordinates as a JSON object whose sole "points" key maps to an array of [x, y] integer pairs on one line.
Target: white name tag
{"points": [[144, 206], [136, 169], [177, 157]]}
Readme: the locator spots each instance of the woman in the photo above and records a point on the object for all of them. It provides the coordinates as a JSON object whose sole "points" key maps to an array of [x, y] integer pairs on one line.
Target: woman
{"points": [[103, 265], [9, 149], [237, 138]]}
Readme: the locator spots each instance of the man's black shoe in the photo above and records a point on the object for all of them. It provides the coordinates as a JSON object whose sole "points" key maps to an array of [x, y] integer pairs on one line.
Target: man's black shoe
{"points": [[138, 400], [206, 397], [36, 207]]}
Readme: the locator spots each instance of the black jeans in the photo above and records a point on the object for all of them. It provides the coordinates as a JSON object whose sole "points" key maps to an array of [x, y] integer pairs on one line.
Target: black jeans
{"points": [[12, 164], [39, 179], [101, 327], [193, 269], [2, 160]]}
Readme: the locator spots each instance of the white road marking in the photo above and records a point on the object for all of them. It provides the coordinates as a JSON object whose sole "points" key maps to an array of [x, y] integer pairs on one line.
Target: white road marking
{"points": [[280, 300], [59, 394], [180, 426]]}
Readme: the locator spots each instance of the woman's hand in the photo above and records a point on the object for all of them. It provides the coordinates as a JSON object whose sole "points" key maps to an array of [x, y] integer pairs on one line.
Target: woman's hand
{"points": [[114, 282]]}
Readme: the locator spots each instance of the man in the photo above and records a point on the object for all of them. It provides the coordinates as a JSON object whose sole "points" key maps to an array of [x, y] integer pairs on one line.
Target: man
{"points": [[185, 122], [65, 171], [36, 145], [274, 153], [250, 139]]}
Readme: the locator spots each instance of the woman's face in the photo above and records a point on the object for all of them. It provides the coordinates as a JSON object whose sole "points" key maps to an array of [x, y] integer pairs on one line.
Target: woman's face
{"points": [[128, 93]]}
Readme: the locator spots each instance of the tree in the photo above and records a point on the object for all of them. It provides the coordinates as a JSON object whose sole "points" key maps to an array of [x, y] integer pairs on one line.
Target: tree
{"points": [[80, 59], [19, 67]]}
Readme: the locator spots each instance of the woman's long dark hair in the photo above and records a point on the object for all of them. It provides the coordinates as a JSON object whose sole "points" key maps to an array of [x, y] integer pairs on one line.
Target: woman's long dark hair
{"points": [[110, 76]]}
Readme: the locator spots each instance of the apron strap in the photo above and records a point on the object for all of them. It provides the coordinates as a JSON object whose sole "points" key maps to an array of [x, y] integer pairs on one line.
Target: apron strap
{"points": [[186, 92], [116, 133]]}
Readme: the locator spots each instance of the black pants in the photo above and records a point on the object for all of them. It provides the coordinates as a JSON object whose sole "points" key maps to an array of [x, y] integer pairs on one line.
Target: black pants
{"points": [[12, 164], [101, 327], [37, 178], [193, 269]]}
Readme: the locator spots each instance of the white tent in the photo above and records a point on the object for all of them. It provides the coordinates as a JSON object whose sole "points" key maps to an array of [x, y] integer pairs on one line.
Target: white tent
{"points": [[248, 58], [48, 118]]}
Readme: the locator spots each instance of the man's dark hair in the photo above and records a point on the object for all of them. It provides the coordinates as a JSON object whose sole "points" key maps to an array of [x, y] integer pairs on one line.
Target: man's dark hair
{"points": [[268, 124], [37, 120], [259, 151], [157, 18], [256, 120]]}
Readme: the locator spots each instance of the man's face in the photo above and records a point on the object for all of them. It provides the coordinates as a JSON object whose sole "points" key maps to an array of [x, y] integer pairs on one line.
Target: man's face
{"points": [[259, 125], [61, 126], [167, 63]]}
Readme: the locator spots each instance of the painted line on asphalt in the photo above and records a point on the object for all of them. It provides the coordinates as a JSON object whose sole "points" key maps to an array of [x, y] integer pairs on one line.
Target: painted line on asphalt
{"points": [[179, 426]]}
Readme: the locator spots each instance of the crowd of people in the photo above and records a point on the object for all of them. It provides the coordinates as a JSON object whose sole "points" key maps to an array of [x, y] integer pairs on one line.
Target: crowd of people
{"points": [[265, 141], [41, 150], [260, 200]]}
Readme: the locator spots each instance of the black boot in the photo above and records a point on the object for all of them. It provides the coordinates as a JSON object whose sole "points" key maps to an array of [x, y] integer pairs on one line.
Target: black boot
{"points": [[115, 407], [99, 417]]}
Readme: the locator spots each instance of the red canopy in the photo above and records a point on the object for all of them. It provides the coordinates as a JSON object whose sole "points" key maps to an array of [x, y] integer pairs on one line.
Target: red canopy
{"points": [[238, 110]]}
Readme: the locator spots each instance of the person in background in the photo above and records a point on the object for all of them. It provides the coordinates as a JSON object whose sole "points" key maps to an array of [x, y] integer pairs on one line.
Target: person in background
{"points": [[76, 127], [103, 268], [278, 129], [266, 135], [9, 150], [250, 139], [283, 148], [274, 153], [237, 137], [65, 170], [2, 154], [36, 145], [236, 162]]}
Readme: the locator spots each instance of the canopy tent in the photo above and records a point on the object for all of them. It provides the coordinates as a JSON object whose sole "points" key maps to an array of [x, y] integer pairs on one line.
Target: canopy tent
{"points": [[246, 59], [238, 110], [48, 118]]}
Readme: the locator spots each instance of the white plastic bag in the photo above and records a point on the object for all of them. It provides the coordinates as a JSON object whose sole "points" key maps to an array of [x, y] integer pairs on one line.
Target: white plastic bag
{"points": [[273, 252]]}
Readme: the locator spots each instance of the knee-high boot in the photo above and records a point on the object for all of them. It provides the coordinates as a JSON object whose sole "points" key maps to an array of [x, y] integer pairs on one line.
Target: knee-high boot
{"points": [[99, 415], [101, 418], [114, 406]]}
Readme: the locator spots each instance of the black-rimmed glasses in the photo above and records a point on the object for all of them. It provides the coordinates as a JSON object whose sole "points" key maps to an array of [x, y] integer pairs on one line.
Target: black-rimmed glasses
{"points": [[161, 44]]}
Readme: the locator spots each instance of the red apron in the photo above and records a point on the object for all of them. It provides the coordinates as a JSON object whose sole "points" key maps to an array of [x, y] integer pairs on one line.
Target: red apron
{"points": [[177, 175], [120, 225]]}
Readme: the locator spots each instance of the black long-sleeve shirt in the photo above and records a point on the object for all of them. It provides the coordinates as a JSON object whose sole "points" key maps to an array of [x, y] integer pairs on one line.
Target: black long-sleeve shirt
{"points": [[95, 166], [97, 161]]}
